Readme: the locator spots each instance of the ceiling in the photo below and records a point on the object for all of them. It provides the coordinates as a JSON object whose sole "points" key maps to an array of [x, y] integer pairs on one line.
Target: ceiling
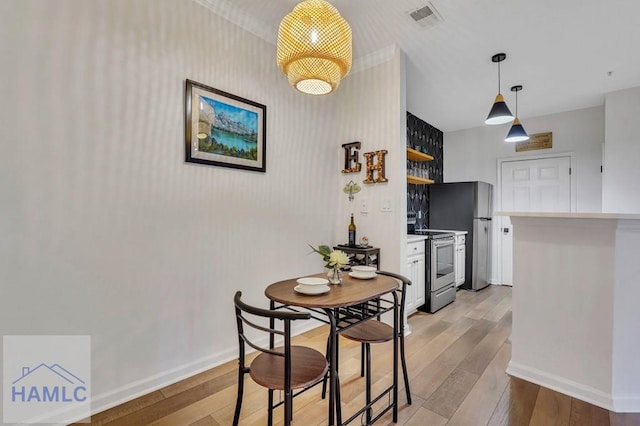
{"points": [[566, 53]]}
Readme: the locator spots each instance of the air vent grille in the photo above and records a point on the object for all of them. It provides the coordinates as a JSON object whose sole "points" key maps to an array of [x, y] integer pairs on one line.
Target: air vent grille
{"points": [[421, 13], [425, 16]]}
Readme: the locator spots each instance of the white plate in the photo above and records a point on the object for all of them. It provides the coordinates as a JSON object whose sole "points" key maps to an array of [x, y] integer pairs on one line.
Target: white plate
{"points": [[362, 276], [312, 290], [309, 281]]}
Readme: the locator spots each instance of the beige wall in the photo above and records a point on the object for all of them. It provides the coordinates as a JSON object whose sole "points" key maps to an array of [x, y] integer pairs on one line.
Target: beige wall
{"points": [[377, 118], [106, 231]]}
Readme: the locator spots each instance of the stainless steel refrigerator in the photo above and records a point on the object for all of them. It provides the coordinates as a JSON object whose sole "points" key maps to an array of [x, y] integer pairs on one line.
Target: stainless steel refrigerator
{"points": [[466, 206]]}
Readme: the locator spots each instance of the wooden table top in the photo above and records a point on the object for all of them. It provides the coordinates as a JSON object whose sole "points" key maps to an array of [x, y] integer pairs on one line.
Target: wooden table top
{"points": [[351, 292]]}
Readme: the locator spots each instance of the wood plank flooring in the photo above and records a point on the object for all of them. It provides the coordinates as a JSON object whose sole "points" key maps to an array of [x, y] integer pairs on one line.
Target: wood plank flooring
{"points": [[456, 360]]}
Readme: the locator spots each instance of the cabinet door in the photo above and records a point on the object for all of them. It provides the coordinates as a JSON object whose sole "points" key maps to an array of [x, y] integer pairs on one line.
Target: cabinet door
{"points": [[460, 270], [418, 281], [410, 300], [456, 266]]}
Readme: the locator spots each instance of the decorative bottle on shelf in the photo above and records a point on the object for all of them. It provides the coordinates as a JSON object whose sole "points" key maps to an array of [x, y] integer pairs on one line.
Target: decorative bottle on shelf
{"points": [[352, 233]]}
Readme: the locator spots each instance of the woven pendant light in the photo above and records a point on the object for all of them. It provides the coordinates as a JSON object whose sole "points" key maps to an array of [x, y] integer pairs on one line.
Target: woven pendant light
{"points": [[314, 47]]}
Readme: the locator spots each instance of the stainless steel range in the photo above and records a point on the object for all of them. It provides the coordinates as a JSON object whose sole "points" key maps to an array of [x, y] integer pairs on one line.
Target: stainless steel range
{"points": [[440, 278]]}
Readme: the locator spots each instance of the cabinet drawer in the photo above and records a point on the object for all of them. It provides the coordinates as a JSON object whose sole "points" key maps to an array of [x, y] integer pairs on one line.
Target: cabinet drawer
{"points": [[442, 298], [415, 248]]}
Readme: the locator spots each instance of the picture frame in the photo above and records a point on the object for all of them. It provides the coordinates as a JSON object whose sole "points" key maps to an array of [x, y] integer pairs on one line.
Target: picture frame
{"points": [[224, 130]]}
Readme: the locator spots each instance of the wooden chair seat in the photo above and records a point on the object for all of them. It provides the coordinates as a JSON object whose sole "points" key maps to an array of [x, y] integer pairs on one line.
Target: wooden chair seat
{"points": [[278, 369], [370, 331], [308, 366], [374, 331]]}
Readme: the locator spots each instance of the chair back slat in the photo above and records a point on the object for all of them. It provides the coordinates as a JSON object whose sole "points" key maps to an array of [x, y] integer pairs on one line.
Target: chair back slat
{"points": [[260, 348], [259, 327], [295, 366], [403, 293], [276, 314]]}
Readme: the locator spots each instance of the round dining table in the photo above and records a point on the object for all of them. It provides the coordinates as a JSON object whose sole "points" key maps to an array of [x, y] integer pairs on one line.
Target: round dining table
{"points": [[350, 293]]}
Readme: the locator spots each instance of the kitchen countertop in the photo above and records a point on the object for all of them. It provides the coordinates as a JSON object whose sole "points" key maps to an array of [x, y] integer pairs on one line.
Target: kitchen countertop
{"points": [[415, 238], [559, 215]]}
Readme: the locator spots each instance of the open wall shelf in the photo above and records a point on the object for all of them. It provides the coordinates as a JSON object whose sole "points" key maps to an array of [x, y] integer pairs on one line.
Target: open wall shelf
{"points": [[414, 155], [418, 180]]}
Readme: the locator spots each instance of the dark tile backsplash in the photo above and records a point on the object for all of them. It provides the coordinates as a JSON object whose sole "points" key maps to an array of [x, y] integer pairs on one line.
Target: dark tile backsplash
{"points": [[423, 137]]}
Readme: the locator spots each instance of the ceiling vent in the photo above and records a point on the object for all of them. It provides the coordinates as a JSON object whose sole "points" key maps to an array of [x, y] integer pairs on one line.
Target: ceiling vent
{"points": [[425, 16]]}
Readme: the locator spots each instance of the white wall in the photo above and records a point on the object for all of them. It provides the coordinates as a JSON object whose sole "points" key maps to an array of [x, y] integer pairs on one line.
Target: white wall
{"points": [[621, 152], [581, 341], [372, 111], [564, 342], [105, 230], [472, 154]]}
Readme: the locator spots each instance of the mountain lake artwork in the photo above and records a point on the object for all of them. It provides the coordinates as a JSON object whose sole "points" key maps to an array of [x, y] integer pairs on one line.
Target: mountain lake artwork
{"points": [[234, 132], [223, 129]]}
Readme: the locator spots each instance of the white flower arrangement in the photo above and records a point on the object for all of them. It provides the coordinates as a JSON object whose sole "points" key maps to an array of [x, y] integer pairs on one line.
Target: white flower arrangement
{"points": [[333, 258]]}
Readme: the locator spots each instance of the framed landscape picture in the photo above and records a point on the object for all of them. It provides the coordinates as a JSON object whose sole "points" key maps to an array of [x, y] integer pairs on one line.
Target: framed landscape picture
{"points": [[225, 130]]}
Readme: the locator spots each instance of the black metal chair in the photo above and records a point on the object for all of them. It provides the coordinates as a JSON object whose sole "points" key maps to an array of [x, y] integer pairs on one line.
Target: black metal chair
{"points": [[375, 331], [284, 368]]}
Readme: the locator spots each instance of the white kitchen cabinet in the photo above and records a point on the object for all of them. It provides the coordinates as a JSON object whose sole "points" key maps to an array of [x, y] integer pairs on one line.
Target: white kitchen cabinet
{"points": [[418, 281], [459, 266], [410, 305], [416, 273]]}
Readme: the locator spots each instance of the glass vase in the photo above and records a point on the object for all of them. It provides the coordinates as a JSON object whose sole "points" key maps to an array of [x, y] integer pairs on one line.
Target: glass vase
{"points": [[334, 275]]}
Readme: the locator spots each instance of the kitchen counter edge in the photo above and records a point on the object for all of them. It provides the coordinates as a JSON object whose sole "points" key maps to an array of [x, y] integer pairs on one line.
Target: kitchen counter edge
{"points": [[559, 215]]}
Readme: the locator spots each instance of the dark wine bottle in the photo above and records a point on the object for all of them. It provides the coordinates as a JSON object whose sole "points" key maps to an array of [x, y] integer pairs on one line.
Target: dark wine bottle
{"points": [[352, 232]]}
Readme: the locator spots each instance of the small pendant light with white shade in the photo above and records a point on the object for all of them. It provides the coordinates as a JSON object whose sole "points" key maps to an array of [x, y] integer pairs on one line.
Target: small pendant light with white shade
{"points": [[499, 113], [517, 132]]}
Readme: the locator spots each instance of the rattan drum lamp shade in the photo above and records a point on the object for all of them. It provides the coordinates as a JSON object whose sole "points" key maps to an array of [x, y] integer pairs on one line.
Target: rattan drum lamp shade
{"points": [[314, 47]]}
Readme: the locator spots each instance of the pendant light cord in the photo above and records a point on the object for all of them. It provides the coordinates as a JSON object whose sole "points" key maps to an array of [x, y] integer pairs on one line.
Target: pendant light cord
{"points": [[498, 77]]}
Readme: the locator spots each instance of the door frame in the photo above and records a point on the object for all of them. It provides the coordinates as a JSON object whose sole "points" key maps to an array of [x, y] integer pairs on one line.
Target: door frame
{"points": [[498, 197]]}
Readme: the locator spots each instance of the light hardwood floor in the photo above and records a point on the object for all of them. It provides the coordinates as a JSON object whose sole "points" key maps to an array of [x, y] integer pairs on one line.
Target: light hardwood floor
{"points": [[456, 360]]}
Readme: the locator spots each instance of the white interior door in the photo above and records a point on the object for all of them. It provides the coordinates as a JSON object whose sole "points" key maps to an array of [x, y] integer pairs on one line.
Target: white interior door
{"points": [[539, 185]]}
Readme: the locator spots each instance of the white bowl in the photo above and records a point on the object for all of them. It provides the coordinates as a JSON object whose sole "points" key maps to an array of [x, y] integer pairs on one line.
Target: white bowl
{"points": [[364, 270], [312, 281], [362, 276]]}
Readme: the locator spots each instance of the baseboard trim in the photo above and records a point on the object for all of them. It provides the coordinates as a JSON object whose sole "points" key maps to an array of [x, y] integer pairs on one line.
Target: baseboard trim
{"points": [[562, 385], [150, 384], [626, 403]]}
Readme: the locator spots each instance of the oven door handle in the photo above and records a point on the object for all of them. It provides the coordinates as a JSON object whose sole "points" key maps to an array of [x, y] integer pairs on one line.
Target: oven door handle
{"points": [[442, 242]]}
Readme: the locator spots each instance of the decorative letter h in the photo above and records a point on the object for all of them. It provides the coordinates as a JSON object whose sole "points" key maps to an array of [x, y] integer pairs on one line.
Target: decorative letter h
{"points": [[379, 167]]}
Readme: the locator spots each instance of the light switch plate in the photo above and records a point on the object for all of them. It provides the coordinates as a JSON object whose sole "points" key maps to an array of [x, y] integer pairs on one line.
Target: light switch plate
{"points": [[364, 205]]}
